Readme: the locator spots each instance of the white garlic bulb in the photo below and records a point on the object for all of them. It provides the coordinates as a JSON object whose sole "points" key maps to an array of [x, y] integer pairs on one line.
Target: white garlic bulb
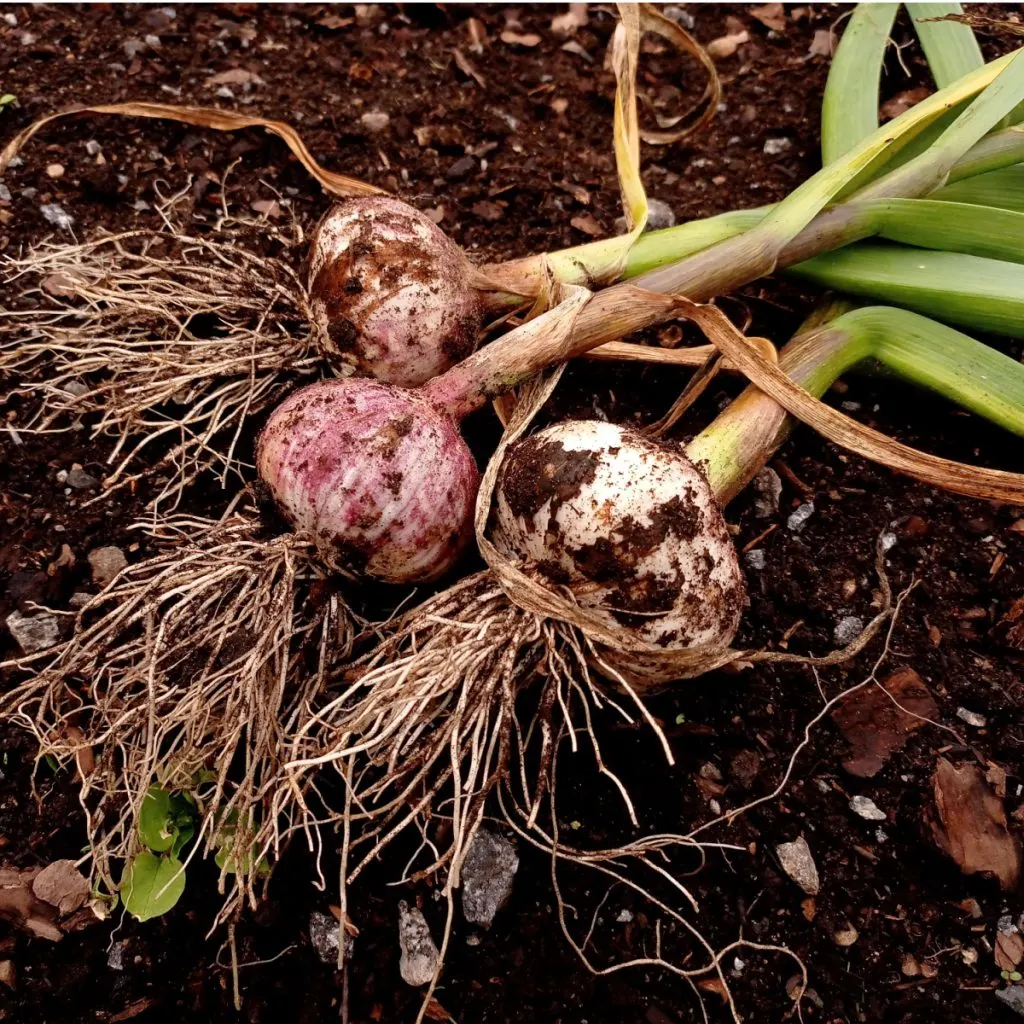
{"points": [[629, 525]]}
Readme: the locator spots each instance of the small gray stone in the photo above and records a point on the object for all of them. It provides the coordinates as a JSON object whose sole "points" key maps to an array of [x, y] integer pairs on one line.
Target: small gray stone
{"points": [[797, 862], [106, 563], [323, 933], [866, 808], [132, 47], [225, 93], [487, 876], [768, 488], [776, 147], [659, 215], [79, 599], [848, 628], [798, 518], [115, 958], [625, 916], [5, 193], [55, 214], [11, 20], [755, 559], [76, 388], [419, 960], [375, 120], [971, 718], [28, 38], [33, 633], [461, 168], [680, 16], [1013, 997], [153, 41], [92, 147], [82, 481]]}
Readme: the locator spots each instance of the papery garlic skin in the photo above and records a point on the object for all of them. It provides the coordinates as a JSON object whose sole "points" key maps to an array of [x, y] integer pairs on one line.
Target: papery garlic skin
{"points": [[381, 481], [391, 295], [630, 526]]}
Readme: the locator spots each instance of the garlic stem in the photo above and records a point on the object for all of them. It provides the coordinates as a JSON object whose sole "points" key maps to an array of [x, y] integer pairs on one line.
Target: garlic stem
{"points": [[744, 437]]}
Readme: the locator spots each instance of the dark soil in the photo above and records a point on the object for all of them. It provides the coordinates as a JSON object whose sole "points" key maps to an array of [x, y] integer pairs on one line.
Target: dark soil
{"points": [[498, 171]]}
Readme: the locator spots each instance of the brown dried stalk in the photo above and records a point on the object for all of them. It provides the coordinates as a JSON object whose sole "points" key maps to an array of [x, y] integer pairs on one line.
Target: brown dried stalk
{"points": [[186, 672], [161, 338]]}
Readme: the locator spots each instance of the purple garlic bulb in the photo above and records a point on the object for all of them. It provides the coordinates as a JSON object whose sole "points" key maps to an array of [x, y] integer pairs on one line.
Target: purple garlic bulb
{"points": [[391, 294], [380, 480]]}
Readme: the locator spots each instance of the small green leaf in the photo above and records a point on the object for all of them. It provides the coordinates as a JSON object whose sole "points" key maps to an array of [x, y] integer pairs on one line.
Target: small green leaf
{"points": [[182, 836], [52, 763], [7, 99], [151, 885], [154, 820], [680, 719]]}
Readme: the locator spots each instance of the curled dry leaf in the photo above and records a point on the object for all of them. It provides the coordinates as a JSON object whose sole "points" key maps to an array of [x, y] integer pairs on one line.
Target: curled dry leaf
{"points": [[876, 723], [971, 824], [204, 117]]}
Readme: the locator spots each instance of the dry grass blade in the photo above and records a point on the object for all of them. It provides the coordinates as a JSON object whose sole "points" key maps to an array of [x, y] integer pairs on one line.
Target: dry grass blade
{"points": [[160, 337], [185, 673], [974, 481], [204, 117], [652, 20]]}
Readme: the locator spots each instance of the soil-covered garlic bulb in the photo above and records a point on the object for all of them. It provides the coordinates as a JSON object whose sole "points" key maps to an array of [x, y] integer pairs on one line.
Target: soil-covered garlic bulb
{"points": [[379, 479], [391, 294], [630, 526]]}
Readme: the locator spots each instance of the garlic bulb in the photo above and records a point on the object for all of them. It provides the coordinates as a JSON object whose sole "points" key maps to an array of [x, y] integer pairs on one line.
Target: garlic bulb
{"points": [[630, 526], [381, 481], [391, 294]]}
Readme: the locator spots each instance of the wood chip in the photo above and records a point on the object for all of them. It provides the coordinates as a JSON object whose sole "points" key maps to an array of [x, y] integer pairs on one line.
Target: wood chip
{"points": [[528, 39], [465, 65], [971, 825], [726, 46], [236, 76], [333, 22], [586, 223], [578, 192], [1009, 950], [771, 16], [873, 724], [61, 885], [477, 35], [904, 101], [823, 43], [1010, 627], [566, 24]]}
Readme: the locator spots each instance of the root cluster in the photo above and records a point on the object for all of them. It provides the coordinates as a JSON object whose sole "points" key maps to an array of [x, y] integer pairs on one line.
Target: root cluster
{"points": [[187, 672], [163, 341]]}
